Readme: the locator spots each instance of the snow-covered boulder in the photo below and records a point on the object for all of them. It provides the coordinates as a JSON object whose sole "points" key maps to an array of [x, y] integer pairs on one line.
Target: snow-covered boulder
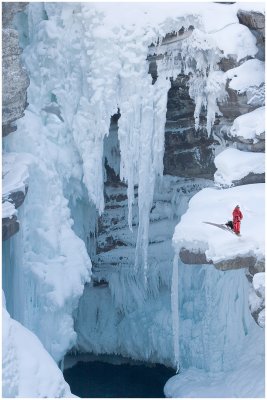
{"points": [[235, 167], [28, 370], [248, 131]]}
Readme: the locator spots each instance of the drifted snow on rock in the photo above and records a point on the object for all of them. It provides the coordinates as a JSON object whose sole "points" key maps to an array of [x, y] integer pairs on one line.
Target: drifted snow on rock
{"points": [[27, 369], [14, 190], [234, 165], [214, 205], [250, 126]]}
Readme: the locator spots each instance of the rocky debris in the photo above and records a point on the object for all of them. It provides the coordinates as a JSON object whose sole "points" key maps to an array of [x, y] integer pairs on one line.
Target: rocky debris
{"points": [[14, 76]]}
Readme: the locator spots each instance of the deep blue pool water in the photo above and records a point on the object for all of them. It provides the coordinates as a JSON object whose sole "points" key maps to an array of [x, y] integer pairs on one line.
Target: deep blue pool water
{"points": [[100, 379]]}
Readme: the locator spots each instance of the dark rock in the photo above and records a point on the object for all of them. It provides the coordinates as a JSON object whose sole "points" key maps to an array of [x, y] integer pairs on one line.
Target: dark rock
{"points": [[250, 178], [255, 21], [10, 226], [17, 198], [191, 257], [252, 19], [236, 263], [235, 105]]}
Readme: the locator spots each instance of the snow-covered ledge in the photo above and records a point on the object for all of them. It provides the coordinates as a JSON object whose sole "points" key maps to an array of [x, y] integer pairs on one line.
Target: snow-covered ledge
{"points": [[15, 187], [199, 243]]}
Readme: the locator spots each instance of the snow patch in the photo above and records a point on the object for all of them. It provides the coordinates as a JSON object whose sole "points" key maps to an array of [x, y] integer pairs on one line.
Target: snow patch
{"points": [[249, 126], [28, 370], [233, 165]]}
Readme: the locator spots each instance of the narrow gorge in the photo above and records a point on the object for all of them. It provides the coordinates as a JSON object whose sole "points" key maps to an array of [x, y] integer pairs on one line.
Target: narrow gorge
{"points": [[125, 127]]}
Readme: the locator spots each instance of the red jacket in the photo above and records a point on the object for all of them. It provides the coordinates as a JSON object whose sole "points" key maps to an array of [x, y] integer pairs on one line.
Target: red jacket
{"points": [[237, 214]]}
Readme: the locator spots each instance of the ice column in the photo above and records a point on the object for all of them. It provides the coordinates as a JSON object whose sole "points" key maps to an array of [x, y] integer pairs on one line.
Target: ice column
{"points": [[175, 311]]}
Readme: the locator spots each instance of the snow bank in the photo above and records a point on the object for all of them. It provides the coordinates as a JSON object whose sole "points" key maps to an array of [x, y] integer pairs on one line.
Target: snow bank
{"points": [[8, 210], [250, 73], [246, 379], [233, 165], [27, 369], [249, 126], [15, 172], [215, 205], [241, 44]]}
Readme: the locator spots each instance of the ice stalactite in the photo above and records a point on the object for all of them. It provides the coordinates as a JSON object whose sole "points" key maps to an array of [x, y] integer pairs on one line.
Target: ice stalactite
{"points": [[107, 71], [175, 312], [141, 135], [198, 56]]}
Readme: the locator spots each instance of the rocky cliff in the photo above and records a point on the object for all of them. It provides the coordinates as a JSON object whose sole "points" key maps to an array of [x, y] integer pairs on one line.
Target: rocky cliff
{"points": [[15, 82]]}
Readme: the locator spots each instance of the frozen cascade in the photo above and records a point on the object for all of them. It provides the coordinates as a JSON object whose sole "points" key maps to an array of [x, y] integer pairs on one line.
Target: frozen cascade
{"points": [[175, 312], [80, 77], [107, 72]]}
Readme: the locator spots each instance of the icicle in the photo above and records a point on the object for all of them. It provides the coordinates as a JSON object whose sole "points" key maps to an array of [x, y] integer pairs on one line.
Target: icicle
{"points": [[175, 312]]}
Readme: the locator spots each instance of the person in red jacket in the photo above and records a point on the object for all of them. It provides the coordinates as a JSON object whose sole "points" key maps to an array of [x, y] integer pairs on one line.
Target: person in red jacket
{"points": [[237, 216]]}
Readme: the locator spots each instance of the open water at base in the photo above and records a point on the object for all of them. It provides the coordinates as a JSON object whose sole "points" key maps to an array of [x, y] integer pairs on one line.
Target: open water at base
{"points": [[101, 379]]}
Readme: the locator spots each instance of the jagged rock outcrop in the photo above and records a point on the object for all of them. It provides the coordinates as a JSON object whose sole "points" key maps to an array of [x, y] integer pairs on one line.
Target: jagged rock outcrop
{"points": [[10, 226], [15, 82], [14, 76], [255, 21], [247, 261]]}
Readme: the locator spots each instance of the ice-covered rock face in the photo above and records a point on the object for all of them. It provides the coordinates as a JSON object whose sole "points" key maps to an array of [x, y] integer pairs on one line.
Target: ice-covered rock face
{"points": [[14, 77]]}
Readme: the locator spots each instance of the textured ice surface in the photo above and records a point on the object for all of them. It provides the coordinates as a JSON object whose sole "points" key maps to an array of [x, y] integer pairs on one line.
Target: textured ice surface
{"points": [[233, 164], [245, 379]]}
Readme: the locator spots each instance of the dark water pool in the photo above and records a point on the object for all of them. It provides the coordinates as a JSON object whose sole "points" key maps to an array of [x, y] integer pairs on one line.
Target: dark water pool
{"points": [[100, 379]]}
